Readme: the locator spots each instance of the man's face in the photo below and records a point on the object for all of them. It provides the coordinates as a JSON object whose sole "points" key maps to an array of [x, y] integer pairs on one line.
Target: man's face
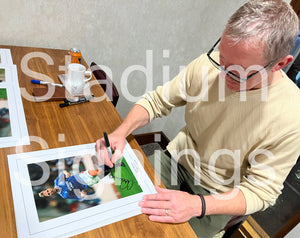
{"points": [[237, 58], [48, 192]]}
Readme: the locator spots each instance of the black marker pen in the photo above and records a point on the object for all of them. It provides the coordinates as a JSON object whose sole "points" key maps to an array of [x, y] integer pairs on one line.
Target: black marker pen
{"points": [[79, 101]]}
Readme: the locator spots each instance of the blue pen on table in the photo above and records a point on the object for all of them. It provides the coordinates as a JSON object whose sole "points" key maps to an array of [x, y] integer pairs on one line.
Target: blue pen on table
{"points": [[107, 144], [44, 82]]}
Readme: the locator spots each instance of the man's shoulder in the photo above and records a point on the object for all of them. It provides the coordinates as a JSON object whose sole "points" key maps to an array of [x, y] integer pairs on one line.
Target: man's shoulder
{"points": [[291, 93], [285, 105], [201, 70], [294, 88], [203, 60]]}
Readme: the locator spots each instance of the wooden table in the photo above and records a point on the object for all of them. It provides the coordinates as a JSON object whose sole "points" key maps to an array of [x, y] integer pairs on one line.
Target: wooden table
{"points": [[80, 124]]}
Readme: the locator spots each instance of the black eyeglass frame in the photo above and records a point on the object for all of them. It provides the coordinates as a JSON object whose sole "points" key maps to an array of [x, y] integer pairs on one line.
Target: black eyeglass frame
{"points": [[229, 73]]}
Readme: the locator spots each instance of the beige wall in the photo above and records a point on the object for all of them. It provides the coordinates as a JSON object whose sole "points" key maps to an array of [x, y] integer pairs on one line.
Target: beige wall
{"points": [[118, 33]]}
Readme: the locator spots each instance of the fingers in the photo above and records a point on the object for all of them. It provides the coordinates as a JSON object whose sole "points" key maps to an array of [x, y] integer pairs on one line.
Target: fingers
{"points": [[168, 206], [117, 145], [155, 204], [102, 153], [159, 215], [163, 190], [155, 212], [161, 195], [97, 145], [166, 219], [116, 155]]}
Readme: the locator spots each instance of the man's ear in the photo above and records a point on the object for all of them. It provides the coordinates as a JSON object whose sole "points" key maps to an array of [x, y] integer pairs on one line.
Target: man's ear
{"points": [[282, 63]]}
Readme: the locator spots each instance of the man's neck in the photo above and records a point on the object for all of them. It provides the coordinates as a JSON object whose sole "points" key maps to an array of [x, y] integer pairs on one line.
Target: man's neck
{"points": [[276, 77]]}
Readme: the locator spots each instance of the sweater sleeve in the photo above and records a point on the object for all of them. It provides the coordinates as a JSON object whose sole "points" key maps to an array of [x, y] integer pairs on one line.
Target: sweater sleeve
{"points": [[268, 169], [174, 93], [160, 102]]}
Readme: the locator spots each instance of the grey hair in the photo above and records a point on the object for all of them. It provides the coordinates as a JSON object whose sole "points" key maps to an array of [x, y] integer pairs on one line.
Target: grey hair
{"points": [[272, 24]]}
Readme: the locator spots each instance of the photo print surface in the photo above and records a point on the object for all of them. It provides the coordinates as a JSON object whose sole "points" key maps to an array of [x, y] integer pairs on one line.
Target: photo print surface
{"points": [[5, 126], [13, 127], [76, 183], [63, 192], [2, 75]]}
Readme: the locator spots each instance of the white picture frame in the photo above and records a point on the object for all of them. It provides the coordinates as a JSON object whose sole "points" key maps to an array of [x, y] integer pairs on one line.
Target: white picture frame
{"points": [[5, 57], [19, 132], [27, 220]]}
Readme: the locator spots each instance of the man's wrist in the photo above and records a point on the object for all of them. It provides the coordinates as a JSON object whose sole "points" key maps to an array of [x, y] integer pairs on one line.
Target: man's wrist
{"points": [[122, 131], [203, 206], [197, 205]]}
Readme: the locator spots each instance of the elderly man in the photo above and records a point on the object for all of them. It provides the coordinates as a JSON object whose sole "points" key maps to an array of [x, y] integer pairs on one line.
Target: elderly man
{"points": [[242, 130]]}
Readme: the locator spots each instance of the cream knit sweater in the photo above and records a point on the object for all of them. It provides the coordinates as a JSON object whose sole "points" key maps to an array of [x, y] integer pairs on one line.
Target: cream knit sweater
{"points": [[232, 139]]}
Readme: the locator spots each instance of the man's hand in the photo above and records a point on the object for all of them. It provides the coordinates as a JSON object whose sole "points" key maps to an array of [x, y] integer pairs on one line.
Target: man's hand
{"points": [[136, 118], [180, 206], [117, 144]]}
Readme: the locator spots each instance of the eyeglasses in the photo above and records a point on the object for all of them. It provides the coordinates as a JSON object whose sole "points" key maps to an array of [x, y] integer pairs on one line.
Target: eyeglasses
{"points": [[232, 75]]}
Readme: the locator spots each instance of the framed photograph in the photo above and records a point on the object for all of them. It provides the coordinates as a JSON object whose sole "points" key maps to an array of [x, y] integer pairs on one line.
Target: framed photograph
{"points": [[2, 75], [13, 127], [5, 125], [65, 191], [5, 57]]}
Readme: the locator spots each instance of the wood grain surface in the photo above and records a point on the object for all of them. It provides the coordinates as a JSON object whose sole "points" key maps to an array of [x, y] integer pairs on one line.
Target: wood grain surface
{"points": [[79, 124]]}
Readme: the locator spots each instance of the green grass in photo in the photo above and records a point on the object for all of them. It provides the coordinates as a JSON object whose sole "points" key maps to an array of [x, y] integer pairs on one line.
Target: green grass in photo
{"points": [[3, 93], [125, 181]]}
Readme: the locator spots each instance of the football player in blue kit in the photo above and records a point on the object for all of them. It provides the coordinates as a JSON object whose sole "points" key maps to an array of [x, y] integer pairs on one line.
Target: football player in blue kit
{"points": [[72, 186]]}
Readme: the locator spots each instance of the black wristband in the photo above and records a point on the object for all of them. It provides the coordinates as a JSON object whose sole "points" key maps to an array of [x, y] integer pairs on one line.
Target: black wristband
{"points": [[203, 206]]}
